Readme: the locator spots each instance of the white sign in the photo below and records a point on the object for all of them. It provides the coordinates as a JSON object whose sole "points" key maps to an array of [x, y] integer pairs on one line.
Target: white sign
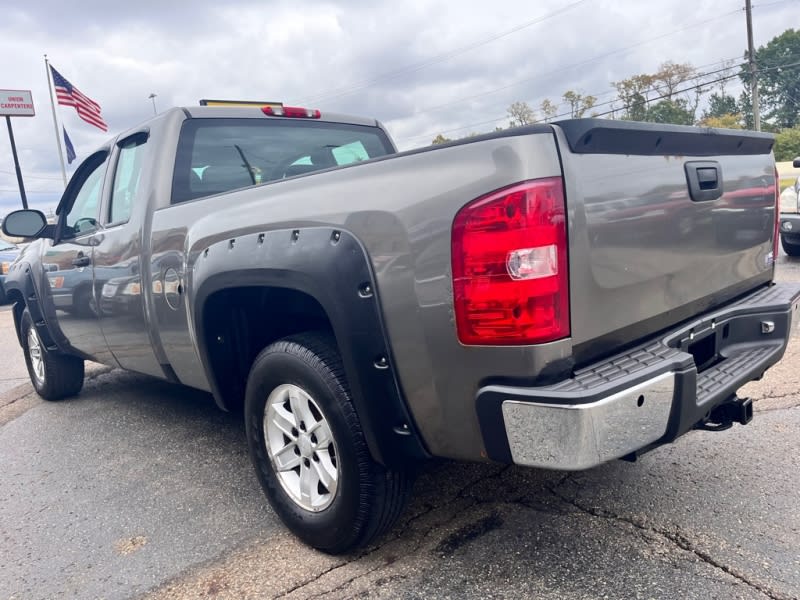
{"points": [[16, 103]]}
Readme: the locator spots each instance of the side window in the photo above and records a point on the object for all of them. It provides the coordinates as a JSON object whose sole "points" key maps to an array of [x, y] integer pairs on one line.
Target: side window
{"points": [[82, 217], [126, 179]]}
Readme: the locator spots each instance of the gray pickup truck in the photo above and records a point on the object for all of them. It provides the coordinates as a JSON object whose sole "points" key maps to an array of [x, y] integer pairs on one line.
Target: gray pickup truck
{"points": [[555, 296]]}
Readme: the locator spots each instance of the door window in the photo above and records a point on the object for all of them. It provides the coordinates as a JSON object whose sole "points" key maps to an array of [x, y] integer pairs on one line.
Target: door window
{"points": [[126, 178], [82, 217]]}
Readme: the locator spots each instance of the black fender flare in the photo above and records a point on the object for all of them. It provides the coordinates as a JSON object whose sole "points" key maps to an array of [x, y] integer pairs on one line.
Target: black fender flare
{"points": [[23, 284], [331, 266]]}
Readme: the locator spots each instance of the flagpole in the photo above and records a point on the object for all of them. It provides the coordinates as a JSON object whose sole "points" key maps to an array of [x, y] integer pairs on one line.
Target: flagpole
{"points": [[55, 121]]}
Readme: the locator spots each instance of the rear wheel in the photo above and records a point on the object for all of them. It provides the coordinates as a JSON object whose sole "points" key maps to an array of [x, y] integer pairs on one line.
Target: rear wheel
{"points": [[54, 375], [309, 451], [790, 248]]}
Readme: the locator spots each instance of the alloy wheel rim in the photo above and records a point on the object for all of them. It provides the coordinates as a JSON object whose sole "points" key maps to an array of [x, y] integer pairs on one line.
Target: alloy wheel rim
{"points": [[35, 352], [301, 447]]}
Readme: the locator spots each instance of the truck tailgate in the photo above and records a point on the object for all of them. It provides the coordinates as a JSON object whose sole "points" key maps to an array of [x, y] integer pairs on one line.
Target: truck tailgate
{"points": [[665, 222]]}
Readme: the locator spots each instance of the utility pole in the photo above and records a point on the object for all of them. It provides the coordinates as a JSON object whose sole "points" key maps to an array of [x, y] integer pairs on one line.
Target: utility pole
{"points": [[153, 98], [753, 71], [16, 164]]}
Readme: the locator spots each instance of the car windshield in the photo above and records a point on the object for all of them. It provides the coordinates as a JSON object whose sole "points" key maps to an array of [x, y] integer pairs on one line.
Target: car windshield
{"points": [[4, 246], [218, 155]]}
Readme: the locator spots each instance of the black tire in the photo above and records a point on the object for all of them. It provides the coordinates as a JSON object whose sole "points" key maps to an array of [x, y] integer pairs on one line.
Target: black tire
{"points": [[62, 375], [369, 498], [790, 248]]}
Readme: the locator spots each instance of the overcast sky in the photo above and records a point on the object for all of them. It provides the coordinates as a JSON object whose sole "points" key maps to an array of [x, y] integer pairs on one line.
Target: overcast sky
{"points": [[420, 66]]}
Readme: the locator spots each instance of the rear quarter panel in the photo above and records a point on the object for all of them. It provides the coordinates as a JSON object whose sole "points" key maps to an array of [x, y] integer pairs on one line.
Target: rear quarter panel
{"points": [[401, 209]]}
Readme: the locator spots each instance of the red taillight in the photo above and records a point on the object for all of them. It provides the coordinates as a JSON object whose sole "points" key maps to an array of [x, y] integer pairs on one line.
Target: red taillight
{"points": [[291, 111], [777, 234], [510, 278]]}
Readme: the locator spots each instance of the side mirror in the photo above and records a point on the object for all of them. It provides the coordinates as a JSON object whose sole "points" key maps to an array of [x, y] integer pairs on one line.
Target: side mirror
{"points": [[26, 224], [796, 163]]}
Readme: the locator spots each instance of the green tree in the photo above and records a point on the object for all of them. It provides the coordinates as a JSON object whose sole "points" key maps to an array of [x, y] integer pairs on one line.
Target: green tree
{"points": [[675, 88], [633, 93], [730, 121], [723, 111], [548, 109], [675, 111], [778, 78], [720, 105], [787, 144], [520, 114], [440, 139], [670, 77], [578, 103]]}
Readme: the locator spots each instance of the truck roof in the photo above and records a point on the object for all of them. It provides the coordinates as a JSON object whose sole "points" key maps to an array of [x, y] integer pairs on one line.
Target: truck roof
{"points": [[236, 112]]}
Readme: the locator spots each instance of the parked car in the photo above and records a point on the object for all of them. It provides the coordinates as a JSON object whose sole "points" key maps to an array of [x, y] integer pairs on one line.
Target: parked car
{"points": [[8, 254], [555, 296], [790, 219]]}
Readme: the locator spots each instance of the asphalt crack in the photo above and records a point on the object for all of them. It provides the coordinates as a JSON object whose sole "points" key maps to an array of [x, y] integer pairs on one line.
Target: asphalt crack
{"points": [[681, 541], [460, 495], [317, 577], [450, 543]]}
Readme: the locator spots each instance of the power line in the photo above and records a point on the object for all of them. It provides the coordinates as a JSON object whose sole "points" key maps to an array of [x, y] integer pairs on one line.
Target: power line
{"points": [[649, 90], [688, 89], [604, 93], [772, 3], [578, 64], [339, 92], [624, 107], [344, 91], [691, 88]]}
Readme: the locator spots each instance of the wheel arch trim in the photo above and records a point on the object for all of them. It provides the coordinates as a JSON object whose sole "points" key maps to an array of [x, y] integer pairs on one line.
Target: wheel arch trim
{"points": [[331, 266]]}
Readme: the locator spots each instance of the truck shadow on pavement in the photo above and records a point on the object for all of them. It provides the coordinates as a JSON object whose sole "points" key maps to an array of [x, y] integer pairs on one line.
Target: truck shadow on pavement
{"points": [[168, 497]]}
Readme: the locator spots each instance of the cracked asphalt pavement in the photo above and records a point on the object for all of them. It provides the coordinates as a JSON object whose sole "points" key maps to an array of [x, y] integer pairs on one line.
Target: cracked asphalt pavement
{"points": [[142, 489]]}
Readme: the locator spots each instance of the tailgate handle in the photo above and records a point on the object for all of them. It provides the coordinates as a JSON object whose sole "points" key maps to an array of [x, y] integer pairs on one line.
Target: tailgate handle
{"points": [[707, 178], [704, 178]]}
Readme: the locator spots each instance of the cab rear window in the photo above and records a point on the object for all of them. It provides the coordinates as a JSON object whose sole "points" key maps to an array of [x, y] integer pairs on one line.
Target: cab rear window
{"points": [[219, 155]]}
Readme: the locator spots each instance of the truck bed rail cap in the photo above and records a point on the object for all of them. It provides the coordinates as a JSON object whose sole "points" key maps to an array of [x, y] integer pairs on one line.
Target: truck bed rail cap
{"points": [[602, 136]]}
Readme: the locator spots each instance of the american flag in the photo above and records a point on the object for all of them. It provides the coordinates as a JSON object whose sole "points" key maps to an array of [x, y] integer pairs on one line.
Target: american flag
{"points": [[68, 95]]}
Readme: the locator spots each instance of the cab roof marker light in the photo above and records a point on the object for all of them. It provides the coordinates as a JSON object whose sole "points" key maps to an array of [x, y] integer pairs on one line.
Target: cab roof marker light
{"points": [[295, 112]]}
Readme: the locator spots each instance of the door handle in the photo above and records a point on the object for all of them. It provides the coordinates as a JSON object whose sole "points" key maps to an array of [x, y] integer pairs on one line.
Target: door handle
{"points": [[81, 261]]}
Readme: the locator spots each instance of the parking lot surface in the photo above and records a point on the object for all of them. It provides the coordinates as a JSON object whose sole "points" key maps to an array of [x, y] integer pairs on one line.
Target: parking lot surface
{"points": [[139, 488]]}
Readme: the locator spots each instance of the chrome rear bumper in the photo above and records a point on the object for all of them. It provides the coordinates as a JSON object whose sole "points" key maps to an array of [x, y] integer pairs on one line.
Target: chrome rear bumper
{"points": [[644, 397], [579, 436]]}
